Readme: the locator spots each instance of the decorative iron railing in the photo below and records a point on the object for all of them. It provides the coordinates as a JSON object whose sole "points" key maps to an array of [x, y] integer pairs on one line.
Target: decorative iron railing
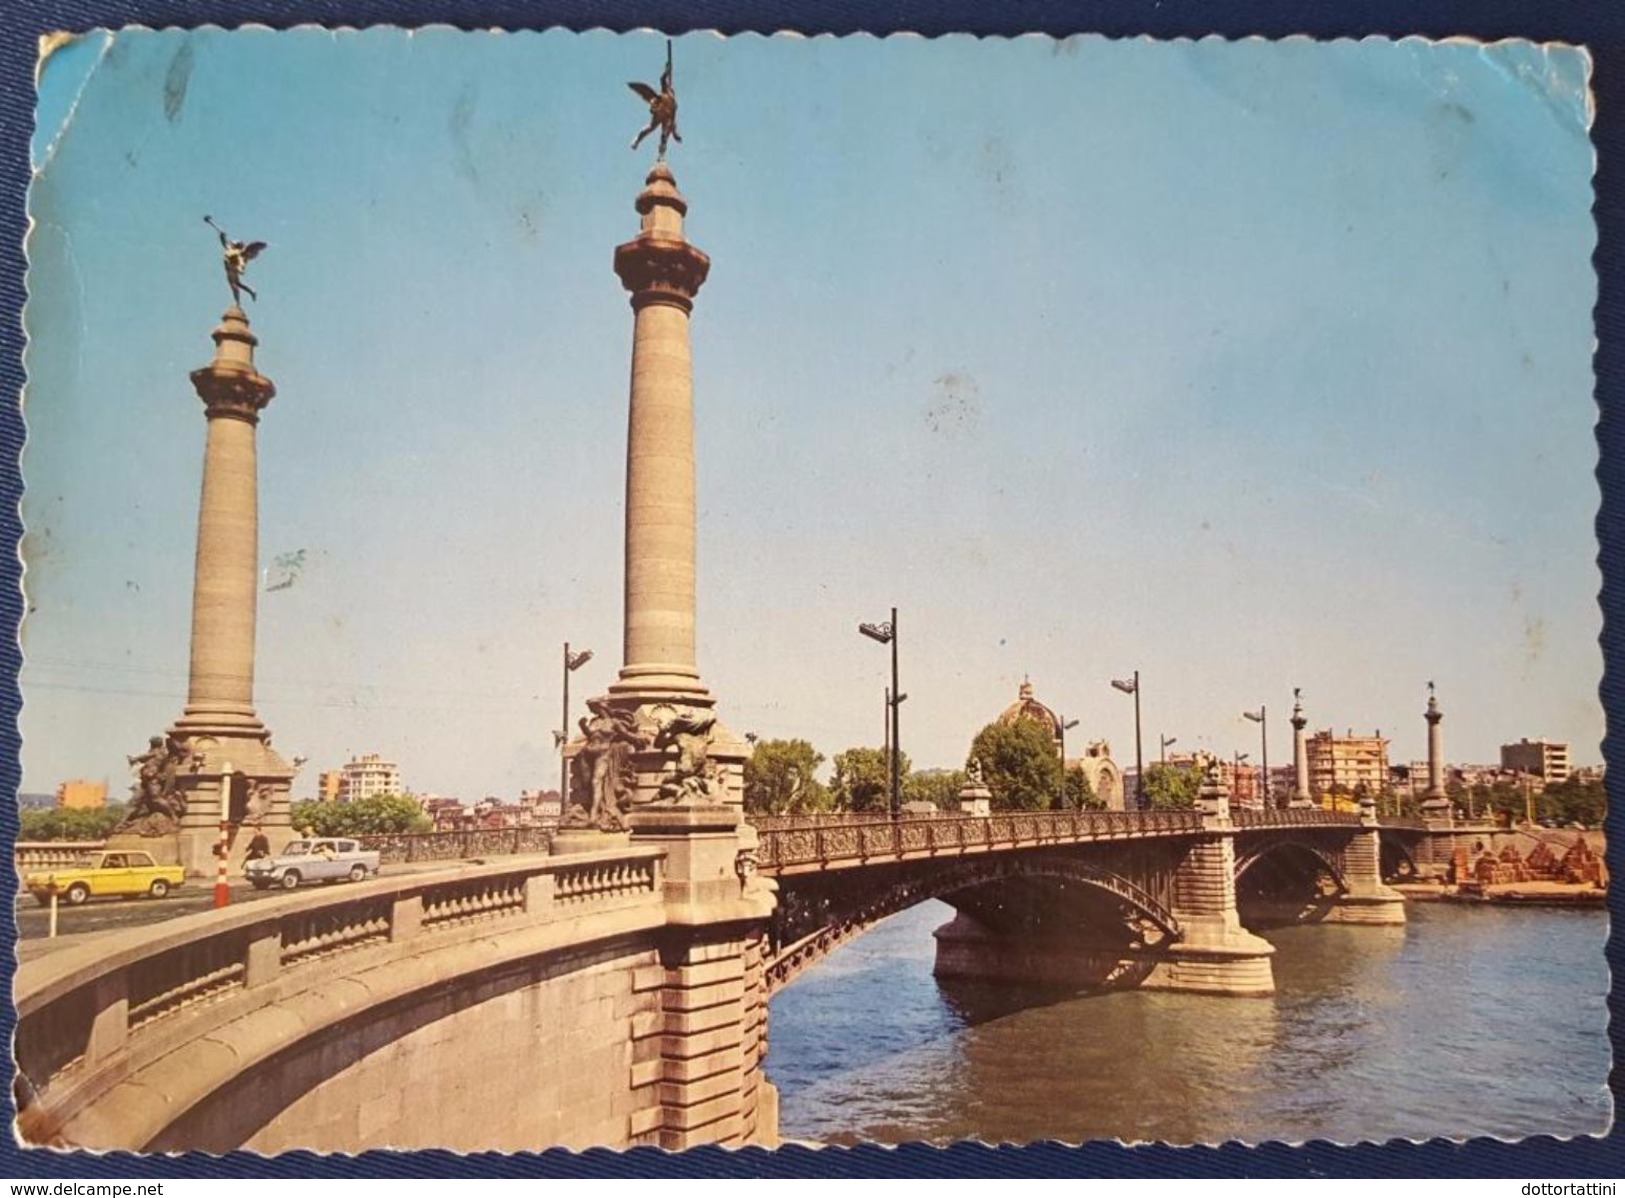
{"points": [[788, 841], [79, 1006], [1293, 817]]}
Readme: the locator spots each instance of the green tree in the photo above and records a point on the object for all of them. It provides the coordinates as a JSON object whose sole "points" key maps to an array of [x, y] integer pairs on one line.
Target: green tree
{"points": [[379, 815], [1080, 795], [862, 780], [71, 823], [1021, 765], [940, 788], [779, 779], [1170, 787], [1575, 801]]}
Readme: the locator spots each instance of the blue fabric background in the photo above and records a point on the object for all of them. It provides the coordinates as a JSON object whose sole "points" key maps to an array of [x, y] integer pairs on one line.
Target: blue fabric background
{"points": [[1600, 25]]}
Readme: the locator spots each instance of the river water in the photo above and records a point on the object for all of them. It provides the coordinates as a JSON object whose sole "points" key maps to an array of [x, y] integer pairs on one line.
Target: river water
{"points": [[1467, 1021]]}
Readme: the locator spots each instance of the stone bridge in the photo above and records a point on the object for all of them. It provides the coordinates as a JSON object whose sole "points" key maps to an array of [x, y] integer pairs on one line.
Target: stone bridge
{"points": [[1086, 898], [619, 996]]}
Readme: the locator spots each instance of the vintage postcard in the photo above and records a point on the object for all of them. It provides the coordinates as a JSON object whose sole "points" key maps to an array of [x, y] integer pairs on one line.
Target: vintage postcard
{"points": [[615, 590]]}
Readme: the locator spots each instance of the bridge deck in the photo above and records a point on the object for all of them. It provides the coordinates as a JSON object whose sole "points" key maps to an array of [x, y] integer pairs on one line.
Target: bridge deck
{"points": [[803, 844]]}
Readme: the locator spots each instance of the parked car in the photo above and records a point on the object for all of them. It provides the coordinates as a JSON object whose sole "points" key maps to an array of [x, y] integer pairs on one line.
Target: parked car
{"points": [[324, 859], [123, 872]]}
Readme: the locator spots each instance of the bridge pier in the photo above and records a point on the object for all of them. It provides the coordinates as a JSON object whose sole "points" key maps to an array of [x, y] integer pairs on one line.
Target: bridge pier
{"points": [[1215, 954], [967, 948], [1365, 899], [701, 1045]]}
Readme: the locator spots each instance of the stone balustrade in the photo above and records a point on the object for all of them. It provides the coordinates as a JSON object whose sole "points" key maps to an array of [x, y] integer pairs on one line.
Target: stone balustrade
{"points": [[95, 1013], [51, 854], [394, 848]]}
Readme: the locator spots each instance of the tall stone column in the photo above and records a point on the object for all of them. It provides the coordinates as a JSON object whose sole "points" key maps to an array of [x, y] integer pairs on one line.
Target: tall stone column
{"points": [[706, 1050], [219, 725], [1300, 756], [220, 692], [1436, 803], [664, 273]]}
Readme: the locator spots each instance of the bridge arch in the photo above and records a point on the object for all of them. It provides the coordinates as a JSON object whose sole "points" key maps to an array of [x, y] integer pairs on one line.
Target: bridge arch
{"points": [[1283, 878], [1289, 849], [808, 927], [1397, 858]]}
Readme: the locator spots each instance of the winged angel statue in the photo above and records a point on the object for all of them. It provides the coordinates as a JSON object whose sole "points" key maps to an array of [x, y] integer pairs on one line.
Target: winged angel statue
{"points": [[237, 255], [662, 108]]}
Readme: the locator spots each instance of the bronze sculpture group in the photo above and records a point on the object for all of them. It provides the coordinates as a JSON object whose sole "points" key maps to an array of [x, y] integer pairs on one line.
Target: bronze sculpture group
{"points": [[157, 801], [604, 772]]}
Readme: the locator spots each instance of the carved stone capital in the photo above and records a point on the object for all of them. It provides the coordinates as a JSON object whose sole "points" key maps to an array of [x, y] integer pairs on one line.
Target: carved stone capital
{"points": [[659, 270], [233, 394]]}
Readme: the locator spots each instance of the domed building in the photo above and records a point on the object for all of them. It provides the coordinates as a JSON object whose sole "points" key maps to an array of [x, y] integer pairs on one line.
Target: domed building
{"points": [[1104, 775]]}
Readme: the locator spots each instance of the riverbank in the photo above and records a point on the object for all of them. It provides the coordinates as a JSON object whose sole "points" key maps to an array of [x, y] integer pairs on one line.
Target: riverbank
{"points": [[1537, 894]]}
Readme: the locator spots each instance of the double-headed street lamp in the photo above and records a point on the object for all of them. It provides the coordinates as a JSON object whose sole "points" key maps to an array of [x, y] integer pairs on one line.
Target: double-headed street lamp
{"points": [[1131, 686], [1261, 718], [572, 662], [1063, 724], [1166, 741], [886, 634]]}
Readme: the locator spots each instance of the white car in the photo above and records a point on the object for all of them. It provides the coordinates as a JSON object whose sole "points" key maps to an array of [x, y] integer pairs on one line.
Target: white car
{"points": [[325, 859]]}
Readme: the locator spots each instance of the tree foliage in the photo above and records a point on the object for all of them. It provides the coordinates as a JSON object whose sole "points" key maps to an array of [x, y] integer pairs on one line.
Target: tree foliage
{"points": [[70, 823], [1576, 801], [779, 779], [862, 780], [379, 815], [1170, 787], [1572, 801], [940, 788], [1080, 795], [1021, 765]]}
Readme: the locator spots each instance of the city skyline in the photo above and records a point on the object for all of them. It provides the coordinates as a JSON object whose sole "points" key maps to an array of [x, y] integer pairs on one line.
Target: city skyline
{"points": [[905, 394]]}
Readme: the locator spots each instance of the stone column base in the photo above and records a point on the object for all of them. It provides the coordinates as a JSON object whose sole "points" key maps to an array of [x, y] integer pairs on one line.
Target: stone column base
{"points": [[1215, 955], [703, 850], [586, 840], [966, 949], [1235, 963], [1223, 972], [1382, 906], [262, 781]]}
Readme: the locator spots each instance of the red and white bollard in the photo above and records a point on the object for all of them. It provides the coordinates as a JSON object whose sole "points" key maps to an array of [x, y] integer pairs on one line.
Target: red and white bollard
{"points": [[222, 892]]}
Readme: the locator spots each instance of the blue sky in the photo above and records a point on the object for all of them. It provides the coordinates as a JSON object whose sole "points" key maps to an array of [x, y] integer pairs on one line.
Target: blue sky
{"points": [[1249, 365]]}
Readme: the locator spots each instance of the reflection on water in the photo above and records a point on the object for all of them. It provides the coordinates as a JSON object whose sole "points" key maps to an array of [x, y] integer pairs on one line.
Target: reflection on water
{"points": [[1467, 1021]]}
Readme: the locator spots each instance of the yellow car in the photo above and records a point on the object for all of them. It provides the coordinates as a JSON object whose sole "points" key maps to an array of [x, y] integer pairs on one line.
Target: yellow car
{"points": [[126, 872]]}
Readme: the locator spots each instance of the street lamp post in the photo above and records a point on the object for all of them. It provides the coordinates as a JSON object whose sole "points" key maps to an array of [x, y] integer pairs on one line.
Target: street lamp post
{"points": [[886, 634], [885, 728], [1162, 757], [1131, 686], [1261, 718], [1235, 777], [1064, 724], [572, 662]]}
